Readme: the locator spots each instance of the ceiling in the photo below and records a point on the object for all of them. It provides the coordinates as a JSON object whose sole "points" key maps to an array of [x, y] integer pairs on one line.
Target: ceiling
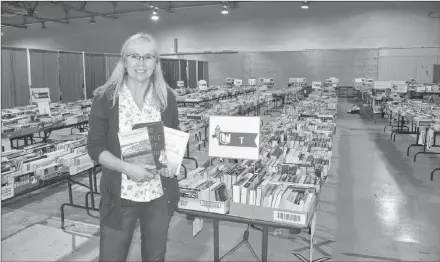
{"points": [[20, 14]]}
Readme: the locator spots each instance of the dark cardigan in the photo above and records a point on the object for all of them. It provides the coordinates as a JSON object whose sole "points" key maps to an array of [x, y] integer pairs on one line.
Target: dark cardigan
{"points": [[103, 135]]}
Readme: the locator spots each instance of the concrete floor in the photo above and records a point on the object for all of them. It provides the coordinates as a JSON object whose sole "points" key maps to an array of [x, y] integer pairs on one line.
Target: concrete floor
{"points": [[378, 205]]}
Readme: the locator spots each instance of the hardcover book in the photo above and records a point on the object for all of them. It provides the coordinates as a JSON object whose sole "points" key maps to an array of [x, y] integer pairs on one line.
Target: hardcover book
{"points": [[136, 146]]}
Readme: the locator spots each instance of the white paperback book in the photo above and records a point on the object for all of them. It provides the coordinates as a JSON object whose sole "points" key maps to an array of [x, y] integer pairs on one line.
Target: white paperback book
{"points": [[175, 145]]}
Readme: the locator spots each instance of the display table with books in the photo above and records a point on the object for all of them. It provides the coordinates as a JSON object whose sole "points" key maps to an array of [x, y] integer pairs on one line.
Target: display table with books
{"points": [[282, 187], [38, 165], [23, 122]]}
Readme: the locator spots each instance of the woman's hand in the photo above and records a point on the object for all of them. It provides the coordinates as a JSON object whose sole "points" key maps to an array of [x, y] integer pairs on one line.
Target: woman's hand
{"points": [[139, 172], [165, 172]]}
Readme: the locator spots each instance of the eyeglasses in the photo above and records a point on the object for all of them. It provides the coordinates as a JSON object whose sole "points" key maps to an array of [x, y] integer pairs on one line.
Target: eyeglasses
{"points": [[137, 58]]}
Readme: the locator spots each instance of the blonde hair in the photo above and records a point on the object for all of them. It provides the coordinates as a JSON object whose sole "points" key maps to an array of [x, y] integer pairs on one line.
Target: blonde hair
{"points": [[113, 86]]}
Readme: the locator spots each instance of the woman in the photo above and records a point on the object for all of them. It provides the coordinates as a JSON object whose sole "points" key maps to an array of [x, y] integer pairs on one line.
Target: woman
{"points": [[135, 93]]}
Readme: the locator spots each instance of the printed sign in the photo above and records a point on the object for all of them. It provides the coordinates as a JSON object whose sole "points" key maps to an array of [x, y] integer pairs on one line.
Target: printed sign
{"points": [[316, 85], [359, 80], [7, 191], [229, 80], [289, 217], [297, 80], [44, 108], [197, 226], [234, 137], [40, 95], [180, 83], [398, 86], [238, 82], [6, 144], [252, 81], [203, 85], [382, 85]]}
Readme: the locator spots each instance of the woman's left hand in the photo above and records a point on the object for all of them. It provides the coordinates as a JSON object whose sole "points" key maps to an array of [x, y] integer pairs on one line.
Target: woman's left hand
{"points": [[165, 172]]}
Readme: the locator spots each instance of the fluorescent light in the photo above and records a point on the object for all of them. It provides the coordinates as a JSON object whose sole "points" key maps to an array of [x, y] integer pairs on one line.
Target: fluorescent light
{"points": [[225, 10], [155, 16], [305, 5]]}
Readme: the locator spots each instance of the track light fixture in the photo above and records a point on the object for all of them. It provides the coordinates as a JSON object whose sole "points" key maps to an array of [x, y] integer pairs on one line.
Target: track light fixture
{"points": [[155, 15], [305, 5], [225, 10], [43, 26]]}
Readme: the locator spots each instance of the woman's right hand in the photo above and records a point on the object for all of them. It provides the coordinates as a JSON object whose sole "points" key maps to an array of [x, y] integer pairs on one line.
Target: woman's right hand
{"points": [[138, 172]]}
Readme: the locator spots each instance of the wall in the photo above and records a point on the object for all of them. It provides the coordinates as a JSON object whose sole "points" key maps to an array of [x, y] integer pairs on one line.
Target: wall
{"points": [[402, 64], [270, 27], [314, 65]]}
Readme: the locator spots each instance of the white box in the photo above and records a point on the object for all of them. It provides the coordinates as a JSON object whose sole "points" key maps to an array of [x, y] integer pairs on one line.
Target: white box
{"points": [[204, 205]]}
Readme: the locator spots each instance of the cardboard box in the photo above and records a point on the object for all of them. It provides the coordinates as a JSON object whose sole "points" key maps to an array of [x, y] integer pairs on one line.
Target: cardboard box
{"points": [[300, 219], [204, 205]]}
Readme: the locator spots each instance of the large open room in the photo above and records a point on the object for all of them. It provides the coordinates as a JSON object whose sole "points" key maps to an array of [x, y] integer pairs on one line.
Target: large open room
{"points": [[220, 131]]}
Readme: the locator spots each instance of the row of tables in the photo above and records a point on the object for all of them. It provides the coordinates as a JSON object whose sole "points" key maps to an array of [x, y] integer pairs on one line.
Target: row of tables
{"points": [[422, 130]]}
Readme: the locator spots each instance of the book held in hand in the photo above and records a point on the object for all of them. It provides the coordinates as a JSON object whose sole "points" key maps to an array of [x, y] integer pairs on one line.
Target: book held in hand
{"points": [[175, 146], [153, 144], [136, 146]]}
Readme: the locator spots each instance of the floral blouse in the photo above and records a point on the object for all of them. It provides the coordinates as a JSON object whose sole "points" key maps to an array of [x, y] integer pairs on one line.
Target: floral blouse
{"points": [[129, 114]]}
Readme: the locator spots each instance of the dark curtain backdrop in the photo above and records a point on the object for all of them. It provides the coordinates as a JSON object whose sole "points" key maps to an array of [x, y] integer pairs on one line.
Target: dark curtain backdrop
{"points": [[14, 89], [71, 76], [95, 72], [183, 71], [200, 71], [45, 73], [170, 70], [206, 72], [192, 73], [110, 63]]}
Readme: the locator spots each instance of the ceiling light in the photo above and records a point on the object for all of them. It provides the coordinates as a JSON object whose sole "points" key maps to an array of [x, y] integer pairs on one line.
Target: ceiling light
{"points": [[92, 20], [155, 16], [225, 10], [43, 27], [305, 5]]}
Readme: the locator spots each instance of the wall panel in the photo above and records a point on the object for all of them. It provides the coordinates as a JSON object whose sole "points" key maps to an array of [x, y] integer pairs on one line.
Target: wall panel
{"points": [[170, 70], [95, 72], [71, 76], [315, 65], [402, 64], [192, 73], [14, 77], [45, 72]]}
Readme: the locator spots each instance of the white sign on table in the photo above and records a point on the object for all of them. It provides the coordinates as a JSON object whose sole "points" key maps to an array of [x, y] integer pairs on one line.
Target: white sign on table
{"points": [[6, 144], [238, 82], [40, 95], [234, 137], [203, 85], [316, 85], [44, 108], [7, 191]]}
